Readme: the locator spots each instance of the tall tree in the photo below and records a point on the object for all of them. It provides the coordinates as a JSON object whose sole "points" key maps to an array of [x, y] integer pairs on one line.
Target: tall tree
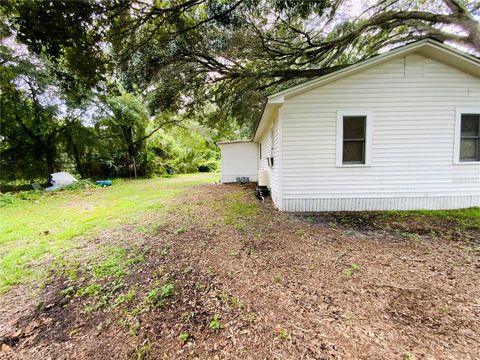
{"points": [[127, 126], [82, 145], [230, 54], [31, 109]]}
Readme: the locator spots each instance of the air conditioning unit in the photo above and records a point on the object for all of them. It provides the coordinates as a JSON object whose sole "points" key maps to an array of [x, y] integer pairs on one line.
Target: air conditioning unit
{"points": [[262, 189], [263, 178]]}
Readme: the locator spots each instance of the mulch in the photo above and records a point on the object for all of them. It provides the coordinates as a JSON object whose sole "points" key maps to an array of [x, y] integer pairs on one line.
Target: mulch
{"points": [[282, 286]]}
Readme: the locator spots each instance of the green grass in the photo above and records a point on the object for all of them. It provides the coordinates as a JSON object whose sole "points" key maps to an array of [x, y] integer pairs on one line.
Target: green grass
{"points": [[116, 261], [37, 228], [459, 219], [469, 218]]}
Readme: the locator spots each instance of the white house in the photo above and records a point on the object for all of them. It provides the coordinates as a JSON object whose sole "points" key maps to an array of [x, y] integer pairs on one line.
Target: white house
{"points": [[398, 131]]}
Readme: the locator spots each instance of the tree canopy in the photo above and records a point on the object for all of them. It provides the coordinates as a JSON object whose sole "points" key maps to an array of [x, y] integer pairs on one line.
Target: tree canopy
{"points": [[229, 53], [145, 65]]}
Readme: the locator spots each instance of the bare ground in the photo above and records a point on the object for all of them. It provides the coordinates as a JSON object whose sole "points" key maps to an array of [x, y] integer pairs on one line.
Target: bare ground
{"points": [[324, 286]]}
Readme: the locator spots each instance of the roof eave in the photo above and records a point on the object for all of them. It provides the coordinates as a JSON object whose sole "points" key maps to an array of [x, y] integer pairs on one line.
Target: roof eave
{"points": [[268, 113], [233, 142]]}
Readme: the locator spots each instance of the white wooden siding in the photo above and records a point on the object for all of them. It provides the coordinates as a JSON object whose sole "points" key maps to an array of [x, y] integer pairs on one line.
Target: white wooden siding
{"points": [[239, 160], [413, 100], [267, 151]]}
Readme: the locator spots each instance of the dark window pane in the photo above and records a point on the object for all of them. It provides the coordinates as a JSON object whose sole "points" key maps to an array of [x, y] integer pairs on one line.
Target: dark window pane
{"points": [[354, 127], [354, 152], [468, 149], [470, 124]]}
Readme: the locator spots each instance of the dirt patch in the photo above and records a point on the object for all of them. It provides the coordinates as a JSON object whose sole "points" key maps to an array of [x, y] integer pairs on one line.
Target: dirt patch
{"points": [[79, 205], [224, 276]]}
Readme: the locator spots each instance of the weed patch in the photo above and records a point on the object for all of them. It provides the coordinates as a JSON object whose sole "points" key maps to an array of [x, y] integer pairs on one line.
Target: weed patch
{"points": [[240, 212], [284, 334], [156, 297], [183, 337], [117, 262], [128, 297], [143, 350], [349, 272], [215, 323], [90, 290], [231, 301], [131, 326]]}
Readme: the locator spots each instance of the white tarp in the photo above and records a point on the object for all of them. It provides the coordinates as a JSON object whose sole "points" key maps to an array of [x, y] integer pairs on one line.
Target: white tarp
{"points": [[60, 180]]}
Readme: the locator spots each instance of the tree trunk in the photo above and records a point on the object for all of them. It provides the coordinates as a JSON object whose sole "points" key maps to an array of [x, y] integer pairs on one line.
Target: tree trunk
{"points": [[78, 161], [50, 165], [134, 167], [50, 157]]}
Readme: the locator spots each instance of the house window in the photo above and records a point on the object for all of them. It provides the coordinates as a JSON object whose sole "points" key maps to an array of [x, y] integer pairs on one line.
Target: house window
{"points": [[354, 137], [470, 137], [260, 150], [354, 131]]}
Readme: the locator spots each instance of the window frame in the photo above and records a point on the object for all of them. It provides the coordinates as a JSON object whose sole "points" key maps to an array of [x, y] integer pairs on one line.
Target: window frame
{"points": [[368, 136], [271, 163], [458, 135], [272, 141]]}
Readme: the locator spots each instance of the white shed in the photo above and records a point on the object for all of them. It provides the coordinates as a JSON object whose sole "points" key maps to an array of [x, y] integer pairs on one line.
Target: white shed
{"points": [[239, 159], [398, 131]]}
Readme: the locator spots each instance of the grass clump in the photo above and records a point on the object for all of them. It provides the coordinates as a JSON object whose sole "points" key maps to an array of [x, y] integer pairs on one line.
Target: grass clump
{"points": [[469, 217], [132, 326], [251, 318], [187, 316], [102, 294], [68, 292], [300, 232]]}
